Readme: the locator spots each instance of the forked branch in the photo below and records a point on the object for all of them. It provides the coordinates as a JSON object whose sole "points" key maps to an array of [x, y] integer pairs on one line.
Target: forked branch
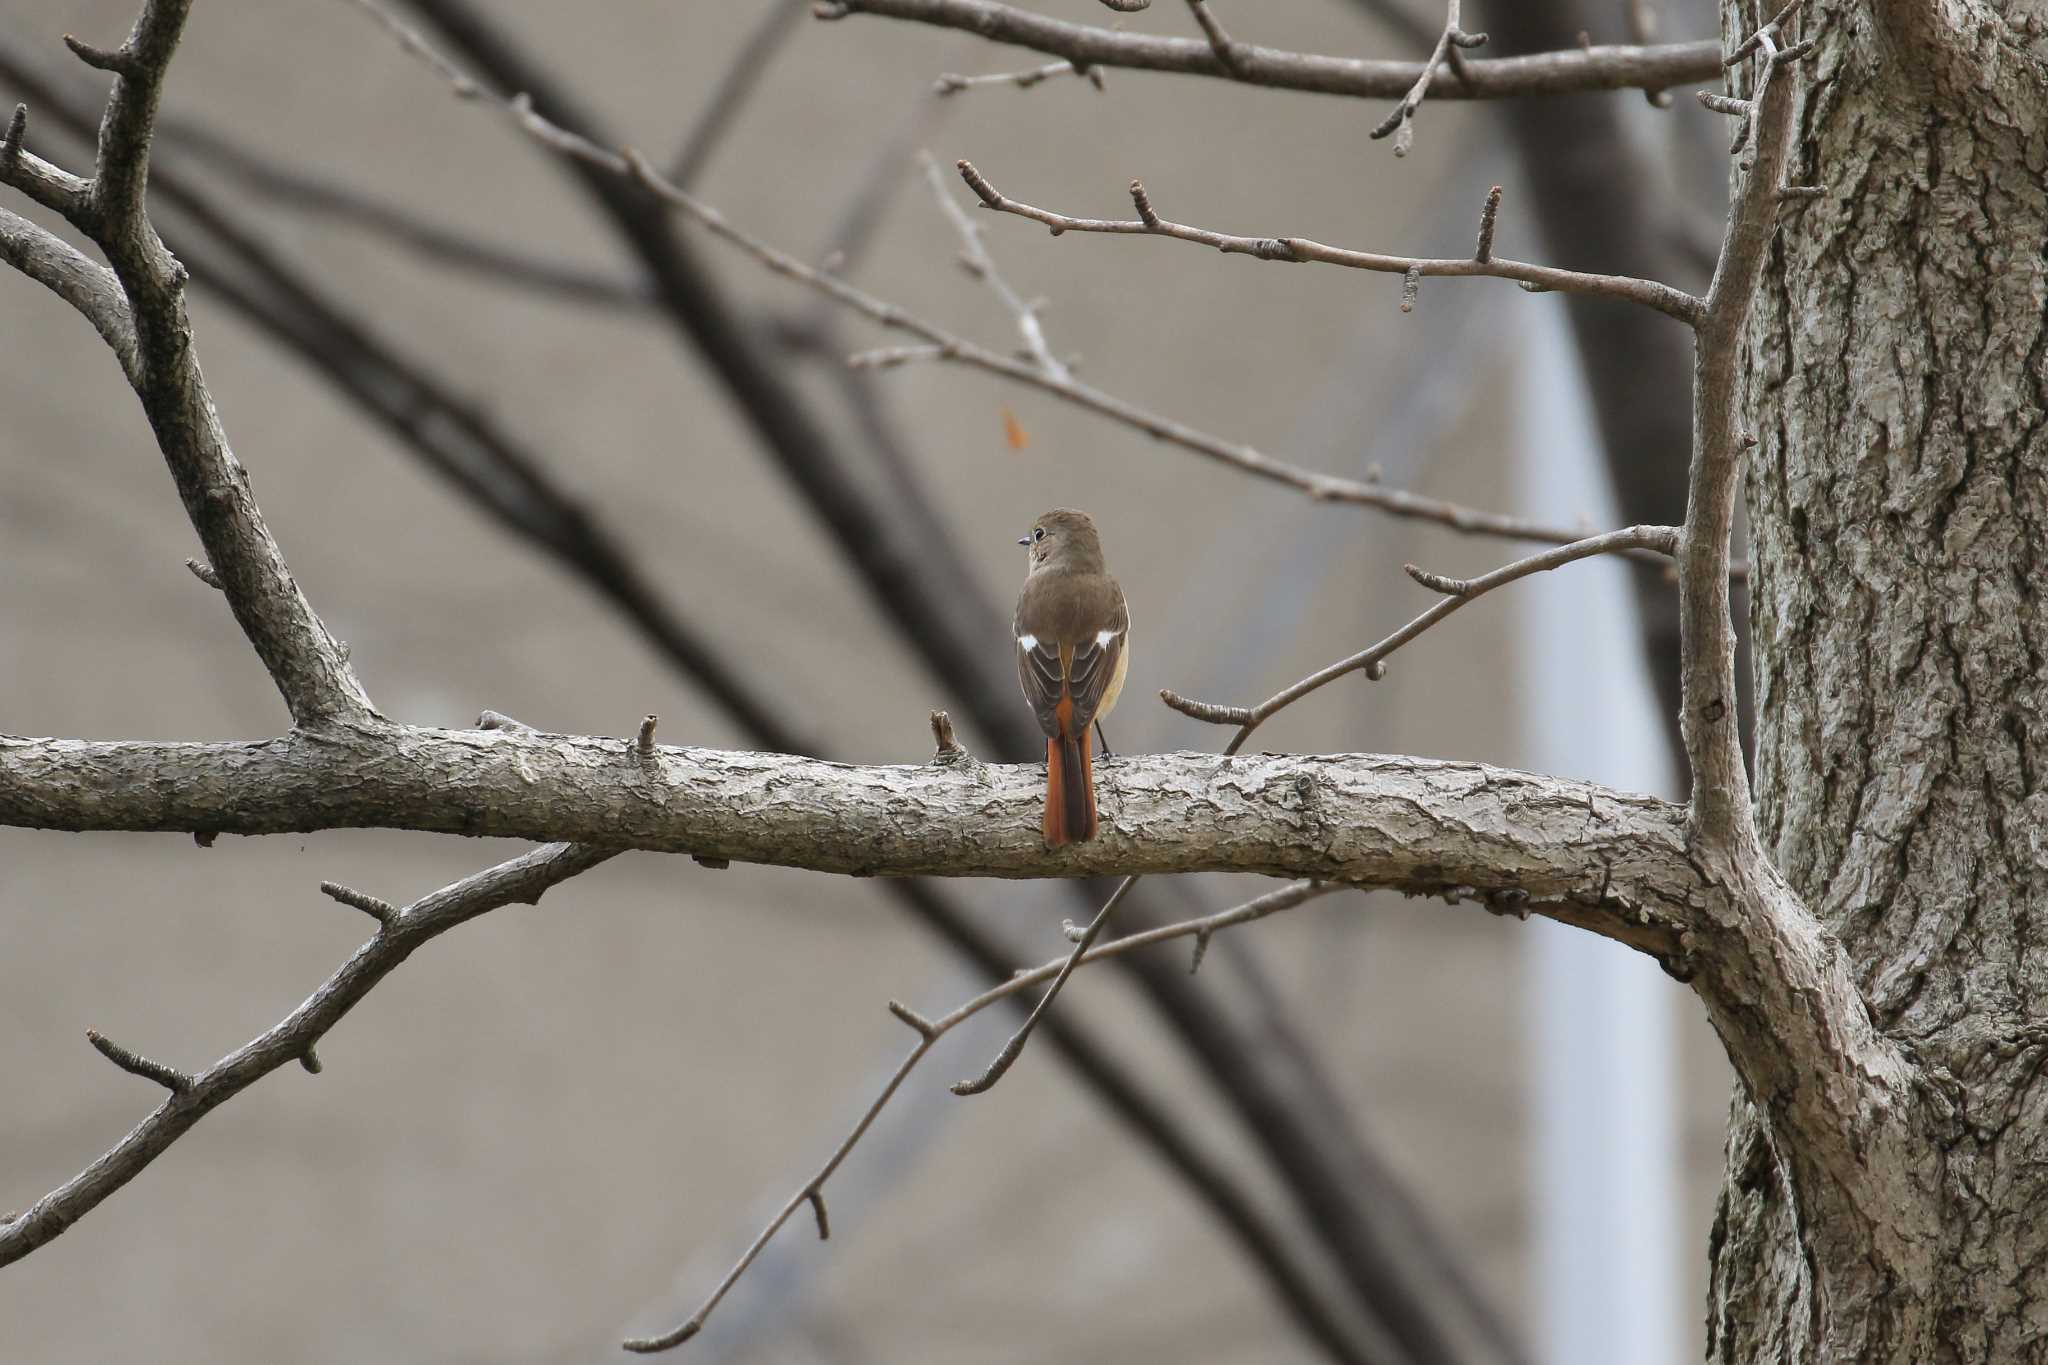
{"points": [[1662, 540], [291, 1040], [929, 1032]]}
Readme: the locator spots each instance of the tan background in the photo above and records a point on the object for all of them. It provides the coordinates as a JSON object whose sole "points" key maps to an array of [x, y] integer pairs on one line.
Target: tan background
{"points": [[560, 1124]]}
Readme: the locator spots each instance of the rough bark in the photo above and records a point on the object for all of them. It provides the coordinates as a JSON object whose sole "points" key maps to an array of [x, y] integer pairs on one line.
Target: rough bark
{"points": [[1894, 375], [1415, 824]]}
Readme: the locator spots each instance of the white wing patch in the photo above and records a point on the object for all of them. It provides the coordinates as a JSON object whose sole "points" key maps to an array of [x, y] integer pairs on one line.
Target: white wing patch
{"points": [[1103, 637], [1027, 642]]}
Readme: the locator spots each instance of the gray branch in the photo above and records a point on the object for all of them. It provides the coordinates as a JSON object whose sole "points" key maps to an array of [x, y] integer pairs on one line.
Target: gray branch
{"points": [[309, 666], [1800, 1032], [192, 1098], [1548, 73]]}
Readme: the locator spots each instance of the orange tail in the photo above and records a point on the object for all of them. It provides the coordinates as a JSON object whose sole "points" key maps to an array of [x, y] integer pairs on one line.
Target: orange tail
{"points": [[1069, 791]]}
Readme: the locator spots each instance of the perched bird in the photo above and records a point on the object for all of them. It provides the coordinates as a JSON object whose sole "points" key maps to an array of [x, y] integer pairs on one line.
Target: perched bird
{"points": [[1073, 649]]}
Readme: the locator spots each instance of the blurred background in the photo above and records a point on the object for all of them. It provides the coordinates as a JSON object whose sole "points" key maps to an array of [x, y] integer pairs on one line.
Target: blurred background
{"points": [[573, 476]]}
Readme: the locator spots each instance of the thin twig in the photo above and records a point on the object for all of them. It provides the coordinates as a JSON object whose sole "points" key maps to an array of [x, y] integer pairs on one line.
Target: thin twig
{"points": [[983, 267], [1401, 122], [1006, 1058], [1228, 51], [1545, 73], [1672, 302], [1487, 217], [382, 911], [1720, 805], [303, 192], [930, 1031], [520, 879], [1304, 1147], [950, 83], [1661, 539], [307, 664], [950, 348], [135, 1064]]}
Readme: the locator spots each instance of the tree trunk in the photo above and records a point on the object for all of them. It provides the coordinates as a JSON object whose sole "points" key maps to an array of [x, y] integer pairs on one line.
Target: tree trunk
{"points": [[1894, 377]]}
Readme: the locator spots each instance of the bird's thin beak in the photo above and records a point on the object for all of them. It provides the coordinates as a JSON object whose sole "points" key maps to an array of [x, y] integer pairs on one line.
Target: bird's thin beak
{"points": [[1023, 540]]}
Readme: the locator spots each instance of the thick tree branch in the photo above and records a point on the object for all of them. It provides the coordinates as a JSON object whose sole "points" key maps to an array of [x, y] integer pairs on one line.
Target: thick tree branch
{"points": [[1590, 68], [192, 1098], [1401, 122], [1409, 823], [1217, 1185], [952, 83], [1672, 302], [309, 666]]}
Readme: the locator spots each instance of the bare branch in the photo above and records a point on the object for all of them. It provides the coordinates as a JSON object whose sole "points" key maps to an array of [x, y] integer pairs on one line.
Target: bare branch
{"points": [[303, 192], [1549, 73], [1228, 51], [943, 345], [775, 26], [1015, 1046], [929, 1032], [1649, 293], [910, 820], [308, 665], [1767, 34], [818, 1208], [1401, 122], [417, 46], [983, 267], [521, 879], [949, 83], [1458, 591]]}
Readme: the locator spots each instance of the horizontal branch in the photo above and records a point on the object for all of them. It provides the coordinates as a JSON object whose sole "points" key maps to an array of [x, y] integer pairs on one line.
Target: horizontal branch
{"points": [[1672, 302], [1547, 73], [1412, 824]]}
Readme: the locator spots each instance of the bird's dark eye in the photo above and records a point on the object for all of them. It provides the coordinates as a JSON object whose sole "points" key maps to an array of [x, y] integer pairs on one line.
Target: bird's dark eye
{"points": [[1038, 533]]}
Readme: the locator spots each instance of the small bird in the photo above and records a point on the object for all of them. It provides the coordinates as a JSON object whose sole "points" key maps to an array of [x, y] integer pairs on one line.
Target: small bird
{"points": [[1073, 649]]}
